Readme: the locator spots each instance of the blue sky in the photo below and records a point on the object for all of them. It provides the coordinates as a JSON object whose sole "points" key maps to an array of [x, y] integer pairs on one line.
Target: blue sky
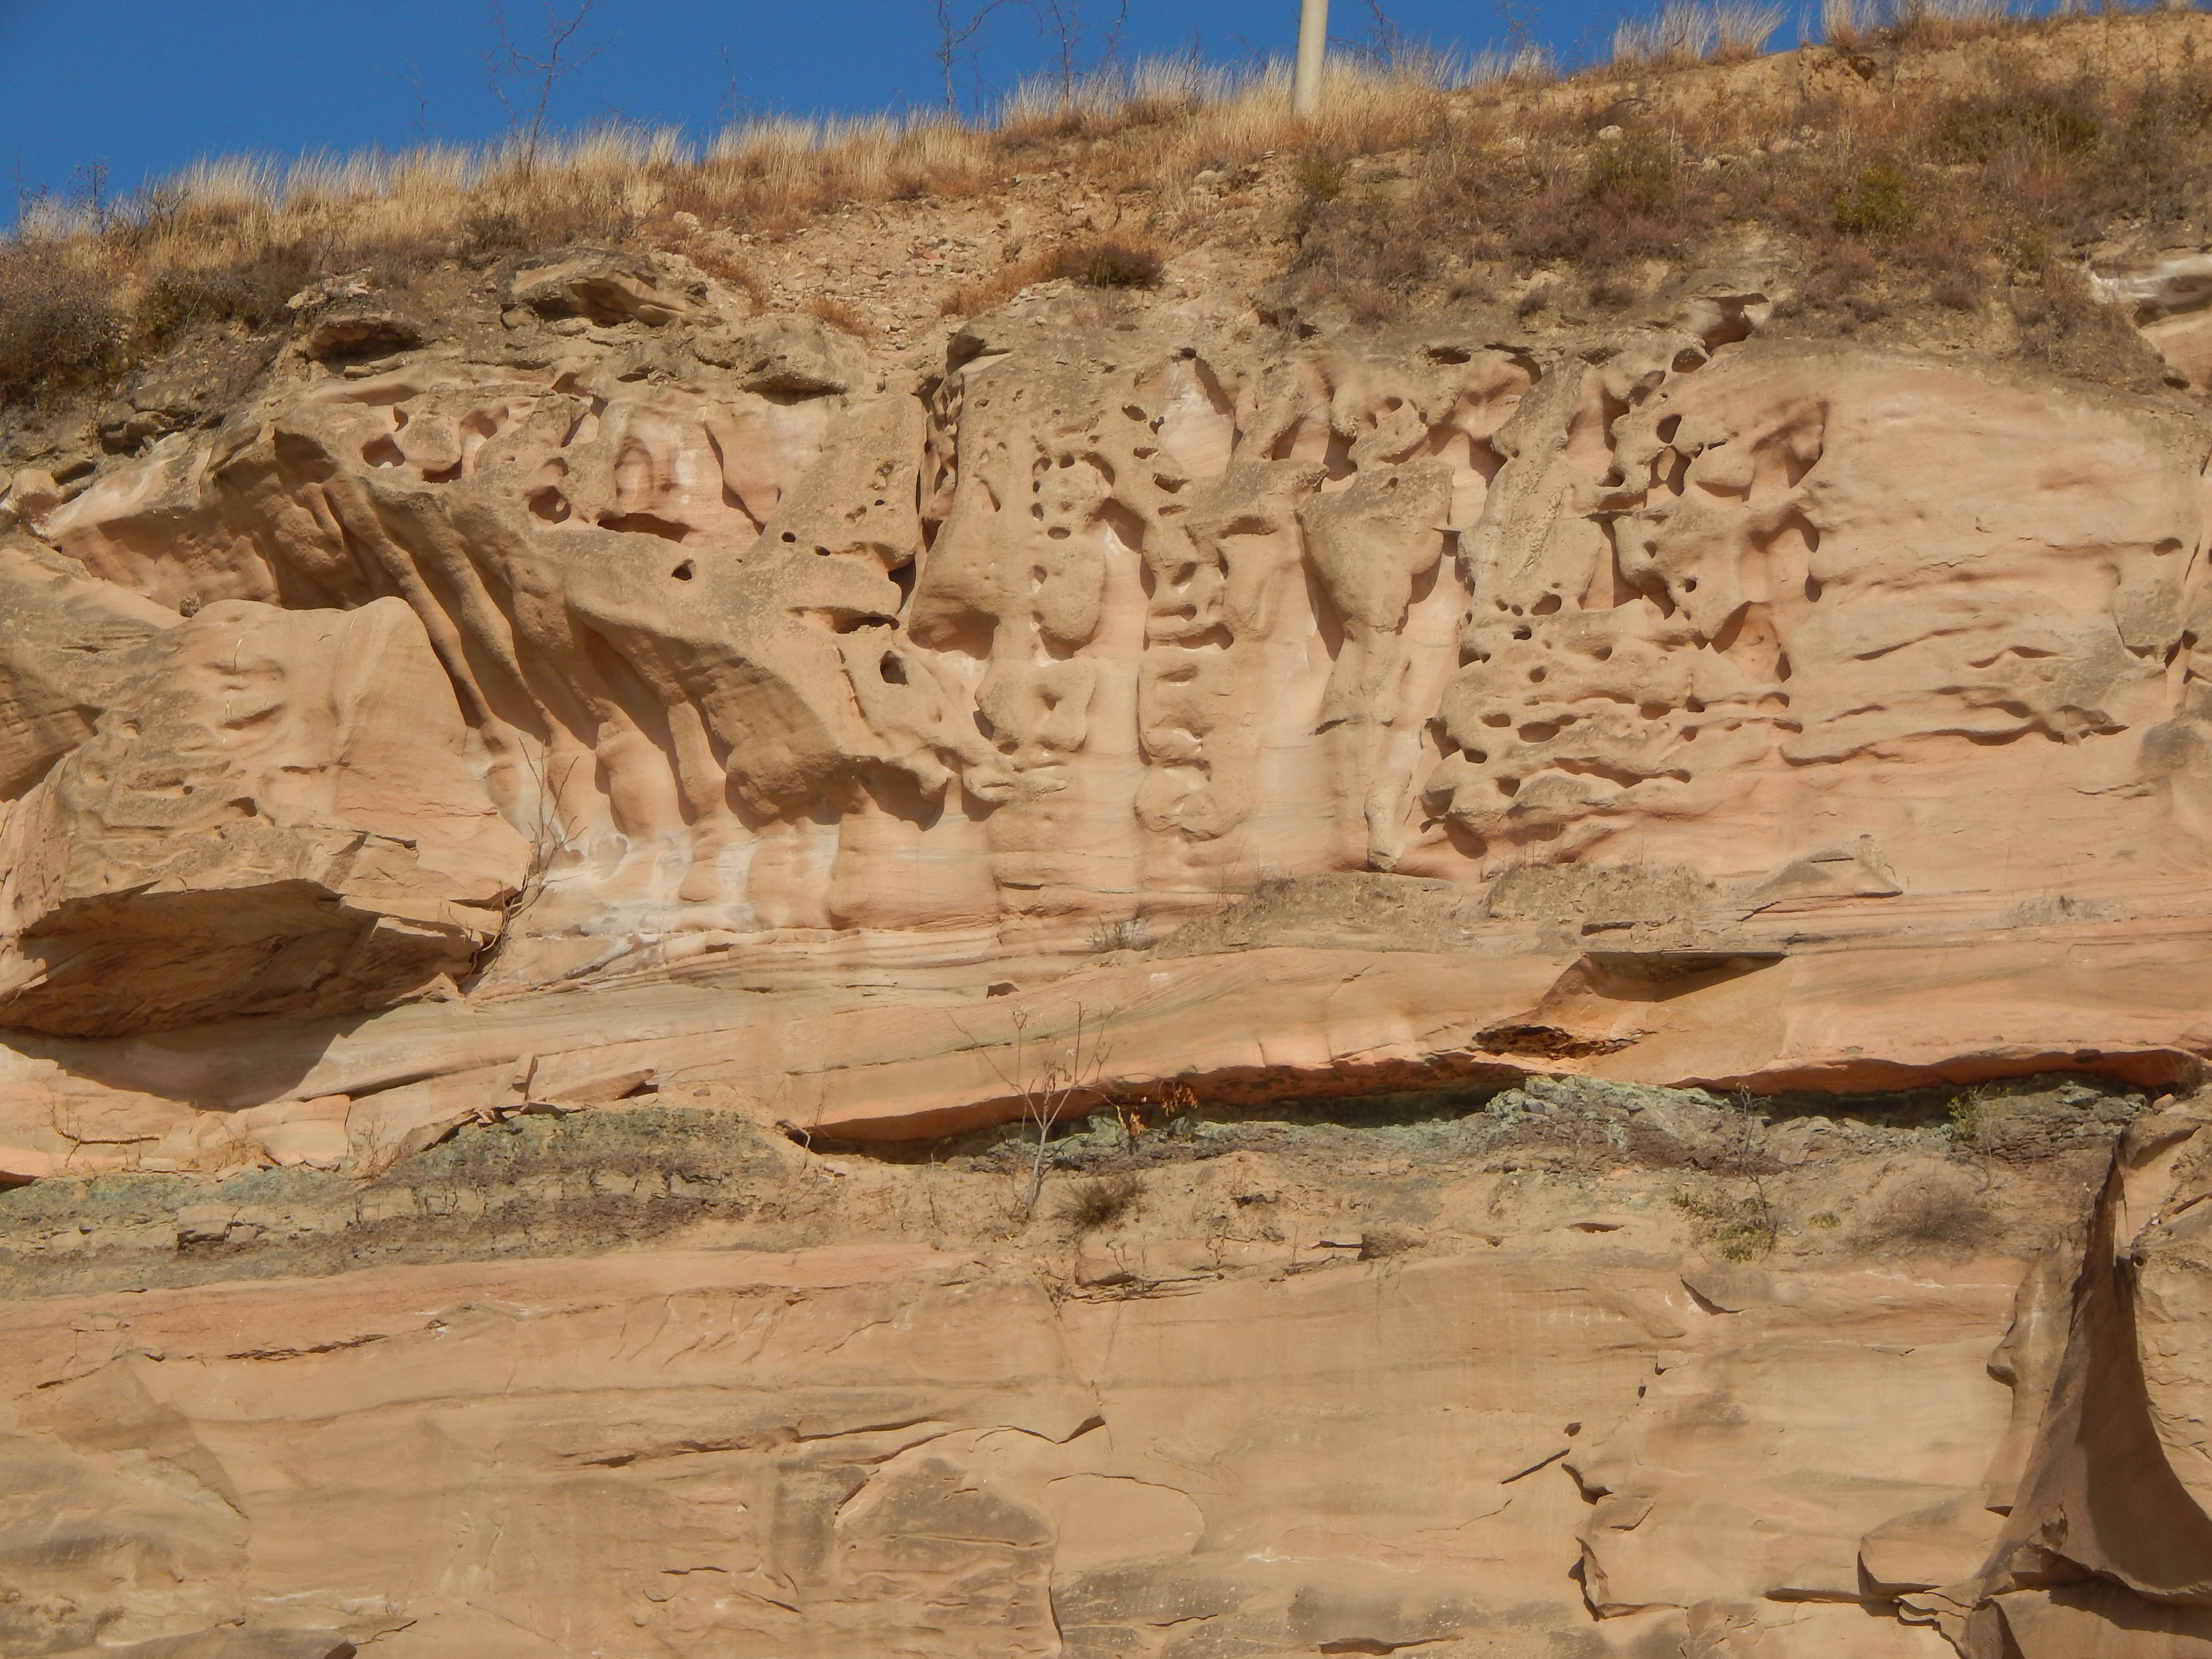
{"points": [[148, 85]]}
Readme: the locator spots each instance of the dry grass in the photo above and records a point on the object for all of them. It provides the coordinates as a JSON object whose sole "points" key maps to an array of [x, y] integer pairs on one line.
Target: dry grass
{"points": [[846, 319], [1105, 263], [1852, 23], [1426, 175], [1964, 190], [1688, 32], [58, 325], [1101, 1201], [1934, 1212]]}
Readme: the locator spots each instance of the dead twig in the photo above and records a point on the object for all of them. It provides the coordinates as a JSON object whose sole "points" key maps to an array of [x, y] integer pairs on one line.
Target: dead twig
{"points": [[1047, 1084], [523, 77], [955, 30]]}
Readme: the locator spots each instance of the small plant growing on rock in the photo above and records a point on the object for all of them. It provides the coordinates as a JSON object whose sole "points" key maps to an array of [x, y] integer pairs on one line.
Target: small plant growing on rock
{"points": [[1935, 1212], [1111, 264], [1741, 1230], [1389, 1239], [1135, 1117], [1122, 933], [1877, 203], [1101, 1201], [845, 318], [1973, 1115], [1321, 177], [1048, 1084]]}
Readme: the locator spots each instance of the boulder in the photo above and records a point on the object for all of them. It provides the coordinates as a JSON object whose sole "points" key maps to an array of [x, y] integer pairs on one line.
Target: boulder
{"points": [[605, 288]]}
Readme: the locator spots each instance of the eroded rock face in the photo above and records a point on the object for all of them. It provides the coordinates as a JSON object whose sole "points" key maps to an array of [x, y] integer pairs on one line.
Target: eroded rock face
{"points": [[2107, 1545], [275, 814], [1104, 621], [1677, 638], [66, 643], [847, 741]]}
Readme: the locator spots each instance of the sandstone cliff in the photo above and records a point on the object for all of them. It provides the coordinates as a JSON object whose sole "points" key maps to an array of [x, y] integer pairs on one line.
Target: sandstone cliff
{"points": [[1179, 969]]}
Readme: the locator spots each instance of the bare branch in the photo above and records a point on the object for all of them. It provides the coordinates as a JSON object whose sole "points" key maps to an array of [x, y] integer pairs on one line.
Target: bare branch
{"points": [[412, 80], [735, 104], [523, 76], [549, 841], [1070, 40], [954, 31], [1047, 1086]]}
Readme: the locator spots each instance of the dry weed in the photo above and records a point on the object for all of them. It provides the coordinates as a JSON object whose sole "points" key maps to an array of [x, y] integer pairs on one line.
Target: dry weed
{"points": [[1688, 32], [1120, 933], [1383, 1240], [1739, 1229], [845, 318], [1933, 1212], [59, 323], [1101, 1201], [1110, 262]]}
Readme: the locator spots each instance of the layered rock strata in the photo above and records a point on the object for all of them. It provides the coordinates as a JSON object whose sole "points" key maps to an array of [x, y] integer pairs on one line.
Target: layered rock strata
{"points": [[1782, 715], [622, 698], [1454, 1381]]}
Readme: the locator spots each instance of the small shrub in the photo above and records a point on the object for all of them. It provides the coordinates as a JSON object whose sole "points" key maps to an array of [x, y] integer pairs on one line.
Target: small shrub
{"points": [[1628, 203], [2036, 121], [534, 219], [58, 326], [1120, 933], [1321, 178], [1934, 1212], [1877, 203], [2063, 324], [1827, 1220], [1739, 1228], [1101, 1201], [1956, 294], [1369, 303], [1099, 264], [844, 317], [1633, 175], [728, 267], [1379, 1242], [1172, 1108], [254, 294], [487, 234], [1109, 265], [1970, 1114]]}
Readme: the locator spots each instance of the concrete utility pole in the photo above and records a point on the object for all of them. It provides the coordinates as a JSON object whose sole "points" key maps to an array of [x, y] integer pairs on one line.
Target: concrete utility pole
{"points": [[1313, 46]]}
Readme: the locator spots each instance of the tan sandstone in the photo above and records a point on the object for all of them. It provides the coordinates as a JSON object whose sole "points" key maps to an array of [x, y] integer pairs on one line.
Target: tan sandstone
{"points": [[1737, 787]]}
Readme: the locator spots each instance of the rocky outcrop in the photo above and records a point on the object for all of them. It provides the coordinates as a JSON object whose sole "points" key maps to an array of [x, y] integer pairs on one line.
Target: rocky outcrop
{"points": [[274, 813], [1699, 667], [1338, 1385], [2106, 1545], [603, 703], [66, 642], [1098, 621]]}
